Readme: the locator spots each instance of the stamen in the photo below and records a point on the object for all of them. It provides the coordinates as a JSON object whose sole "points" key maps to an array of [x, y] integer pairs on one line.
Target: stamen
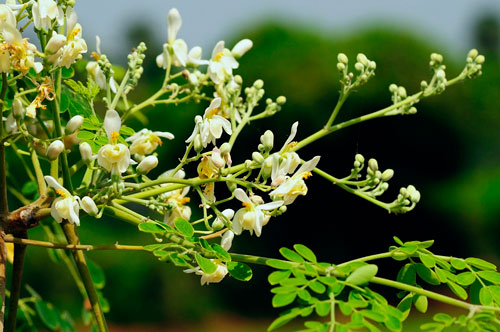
{"points": [[60, 192], [307, 175], [246, 204], [95, 56], [218, 56]]}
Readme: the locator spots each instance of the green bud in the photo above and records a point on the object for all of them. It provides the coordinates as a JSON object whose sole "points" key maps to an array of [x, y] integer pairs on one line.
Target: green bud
{"points": [[412, 110], [342, 58], [378, 174], [282, 209], [373, 65], [259, 84], [217, 224], [357, 164], [18, 109], [384, 186], [393, 88], [480, 59], [198, 146], [473, 53], [387, 175], [373, 164], [238, 79], [225, 148], [359, 66], [281, 100], [402, 92], [267, 140], [257, 157], [362, 58], [340, 66], [268, 101], [423, 85], [360, 158]]}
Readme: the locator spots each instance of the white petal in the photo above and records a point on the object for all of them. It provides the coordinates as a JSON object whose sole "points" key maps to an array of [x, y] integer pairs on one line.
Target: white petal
{"points": [[164, 134], [236, 221], [227, 240], [174, 22], [112, 122], [242, 196], [292, 134], [309, 165], [55, 185], [242, 47], [219, 47], [215, 103], [270, 205]]}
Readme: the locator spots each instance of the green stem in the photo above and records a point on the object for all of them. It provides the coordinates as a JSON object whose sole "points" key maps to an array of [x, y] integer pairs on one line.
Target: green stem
{"points": [[368, 258], [332, 311], [42, 187], [81, 264], [15, 288], [342, 98], [87, 247]]}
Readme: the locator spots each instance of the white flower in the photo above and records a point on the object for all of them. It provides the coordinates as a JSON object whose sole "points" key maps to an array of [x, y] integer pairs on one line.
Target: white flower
{"points": [[221, 64], [66, 206], [66, 50], [214, 277], [174, 22], [251, 216], [54, 150], [147, 164], [177, 199], [88, 205], [241, 48], [211, 126], [145, 141], [292, 187], [220, 221], [86, 152], [44, 11], [114, 157]]}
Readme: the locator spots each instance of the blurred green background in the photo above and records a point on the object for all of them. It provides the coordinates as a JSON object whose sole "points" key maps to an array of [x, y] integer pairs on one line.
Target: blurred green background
{"points": [[450, 150]]}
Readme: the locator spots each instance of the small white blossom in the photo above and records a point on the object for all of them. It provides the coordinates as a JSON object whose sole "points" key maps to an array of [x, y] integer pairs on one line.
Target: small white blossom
{"points": [[66, 206], [210, 127], [215, 277], [147, 164], [294, 186], [54, 150], [227, 240], [88, 205], [241, 48], [145, 141], [74, 124], [113, 157], [86, 152], [44, 11], [251, 217], [221, 64]]}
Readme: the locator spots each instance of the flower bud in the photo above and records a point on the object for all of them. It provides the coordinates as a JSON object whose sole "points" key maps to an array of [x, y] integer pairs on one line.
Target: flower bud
{"points": [[18, 109], [227, 240], [281, 100], [440, 75], [480, 59], [86, 152], [241, 48], [259, 84], [359, 66], [257, 157], [217, 159], [473, 53], [74, 124], [55, 149], [267, 140], [147, 164], [359, 158], [54, 44], [225, 148], [372, 163], [217, 224], [174, 22], [362, 58], [387, 175], [342, 58], [198, 145], [393, 88], [88, 205]]}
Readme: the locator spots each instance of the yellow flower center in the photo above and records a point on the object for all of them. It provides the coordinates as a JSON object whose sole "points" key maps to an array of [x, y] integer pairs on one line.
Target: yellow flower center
{"points": [[307, 175], [184, 200], [247, 205], [114, 137], [219, 56], [60, 192], [95, 56]]}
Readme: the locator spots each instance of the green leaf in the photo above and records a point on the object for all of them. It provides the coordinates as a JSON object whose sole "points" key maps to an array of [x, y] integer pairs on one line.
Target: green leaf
{"points": [[221, 253], [126, 131], [317, 287], [393, 324], [426, 274], [291, 255], [458, 263], [67, 72], [184, 227], [283, 320], [421, 303], [97, 274], [29, 188], [304, 295], [305, 252], [156, 246], [345, 308], [480, 264], [205, 264], [445, 318], [491, 276], [284, 290], [375, 316], [408, 248], [458, 290], [294, 282], [322, 308], [397, 240], [64, 104], [279, 264], [151, 227], [85, 135], [362, 274], [407, 274], [427, 260], [466, 278], [441, 275], [485, 296], [329, 281], [281, 300], [239, 271], [277, 276], [48, 315]]}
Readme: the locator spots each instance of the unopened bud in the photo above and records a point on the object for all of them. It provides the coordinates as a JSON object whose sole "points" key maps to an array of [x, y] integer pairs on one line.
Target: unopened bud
{"points": [[73, 124], [241, 48], [340, 66], [88, 205], [217, 159], [440, 75], [387, 175], [198, 145], [393, 88], [231, 186], [362, 58], [147, 164], [359, 158], [402, 91], [259, 84], [257, 157], [373, 164], [473, 53], [86, 152], [267, 140], [480, 59], [359, 66], [55, 149], [217, 224], [342, 58], [281, 100], [18, 109]]}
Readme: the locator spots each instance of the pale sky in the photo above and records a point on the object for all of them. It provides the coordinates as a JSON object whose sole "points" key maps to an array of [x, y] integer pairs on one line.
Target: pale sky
{"points": [[205, 22]]}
